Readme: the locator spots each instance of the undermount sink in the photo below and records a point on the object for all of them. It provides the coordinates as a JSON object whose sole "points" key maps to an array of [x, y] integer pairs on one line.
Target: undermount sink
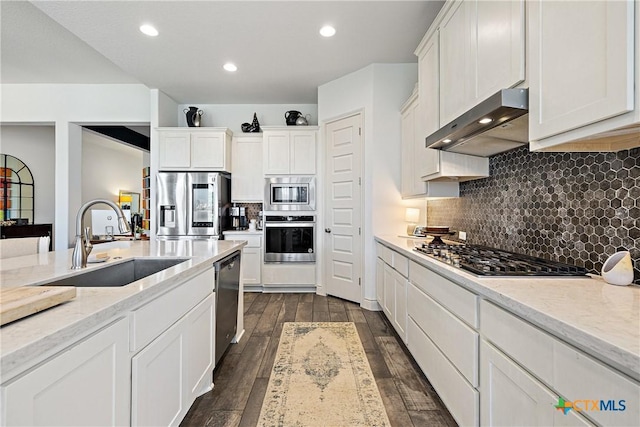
{"points": [[117, 275]]}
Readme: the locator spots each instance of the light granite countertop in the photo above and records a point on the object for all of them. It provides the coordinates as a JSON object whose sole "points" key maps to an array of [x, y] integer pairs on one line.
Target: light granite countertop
{"points": [[601, 319], [30, 340]]}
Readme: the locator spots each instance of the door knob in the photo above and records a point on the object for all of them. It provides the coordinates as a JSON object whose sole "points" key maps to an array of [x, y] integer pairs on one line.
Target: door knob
{"points": [[327, 230]]}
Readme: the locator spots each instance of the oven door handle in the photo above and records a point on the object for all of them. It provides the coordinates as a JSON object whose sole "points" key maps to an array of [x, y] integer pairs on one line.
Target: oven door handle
{"points": [[289, 224]]}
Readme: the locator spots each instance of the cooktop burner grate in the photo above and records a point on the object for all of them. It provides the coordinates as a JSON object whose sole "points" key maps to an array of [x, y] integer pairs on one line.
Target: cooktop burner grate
{"points": [[485, 261]]}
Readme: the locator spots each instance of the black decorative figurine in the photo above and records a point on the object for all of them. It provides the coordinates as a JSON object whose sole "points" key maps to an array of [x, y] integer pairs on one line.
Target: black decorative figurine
{"points": [[253, 127]]}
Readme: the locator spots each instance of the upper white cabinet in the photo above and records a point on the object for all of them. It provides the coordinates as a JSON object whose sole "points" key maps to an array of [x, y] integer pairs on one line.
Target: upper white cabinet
{"points": [[194, 149], [482, 50], [247, 184], [436, 165], [415, 156], [584, 75], [289, 152]]}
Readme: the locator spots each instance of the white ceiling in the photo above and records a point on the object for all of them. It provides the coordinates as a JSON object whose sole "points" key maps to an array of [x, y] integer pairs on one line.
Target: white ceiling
{"points": [[281, 58]]}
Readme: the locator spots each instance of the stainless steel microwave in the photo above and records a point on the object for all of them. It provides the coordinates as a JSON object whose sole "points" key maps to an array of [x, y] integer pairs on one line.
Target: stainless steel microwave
{"points": [[290, 193]]}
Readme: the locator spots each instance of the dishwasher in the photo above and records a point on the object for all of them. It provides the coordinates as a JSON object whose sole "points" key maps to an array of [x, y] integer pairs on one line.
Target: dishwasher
{"points": [[226, 288]]}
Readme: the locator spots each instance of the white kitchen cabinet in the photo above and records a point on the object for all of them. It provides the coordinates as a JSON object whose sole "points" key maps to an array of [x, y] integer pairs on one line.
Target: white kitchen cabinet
{"points": [[436, 166], [509, 396], [86, 384], [567, 371], [174, 369], [251, 265], [289, 152], [247, 184], [482, 50], [415, 155], [584, 90], [194, 149], [380, 281], [394, 271]]}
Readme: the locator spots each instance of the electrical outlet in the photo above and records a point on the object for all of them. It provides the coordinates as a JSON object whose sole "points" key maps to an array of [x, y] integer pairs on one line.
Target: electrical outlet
{"points": [[462, 235]]}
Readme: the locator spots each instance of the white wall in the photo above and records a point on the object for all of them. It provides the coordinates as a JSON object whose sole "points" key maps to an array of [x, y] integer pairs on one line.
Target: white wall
{"points": [[35, 146], [67, 106], [378, 90], [108, 167], [233, 115]]}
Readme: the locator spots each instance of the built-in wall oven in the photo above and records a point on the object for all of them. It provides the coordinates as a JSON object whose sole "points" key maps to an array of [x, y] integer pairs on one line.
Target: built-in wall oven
{"points": [[290, 193], [289, 238]]}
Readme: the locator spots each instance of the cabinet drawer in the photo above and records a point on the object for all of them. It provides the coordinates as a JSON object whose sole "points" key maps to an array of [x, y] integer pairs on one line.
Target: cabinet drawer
{"points": [[150, 320], [453, 337], [570, 372], [459, 397], [252, 241], [400, 263], [525, 343], [456, 299]]}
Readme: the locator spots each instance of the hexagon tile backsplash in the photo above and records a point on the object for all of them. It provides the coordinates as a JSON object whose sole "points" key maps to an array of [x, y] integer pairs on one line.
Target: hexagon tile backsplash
{"points": [[577, 208]]}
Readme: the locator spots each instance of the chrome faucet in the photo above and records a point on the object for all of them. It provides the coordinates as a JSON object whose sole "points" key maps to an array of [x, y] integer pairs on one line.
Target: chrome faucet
{"points": [[83, 246]]}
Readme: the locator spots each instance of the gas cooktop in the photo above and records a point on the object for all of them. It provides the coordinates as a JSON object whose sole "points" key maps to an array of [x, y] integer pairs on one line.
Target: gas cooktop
{"points": [[485, 261]]}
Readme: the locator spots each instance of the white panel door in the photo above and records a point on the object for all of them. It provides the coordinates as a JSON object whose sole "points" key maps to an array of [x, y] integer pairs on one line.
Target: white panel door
{"points": [[303, 153], [247, 184], [582, 65], [499, 46], [509, 396], [429, 105], [276, 153], [380, 282], [174, 150], [199, 349], [343, 241], [87, 384], [208, 150]]}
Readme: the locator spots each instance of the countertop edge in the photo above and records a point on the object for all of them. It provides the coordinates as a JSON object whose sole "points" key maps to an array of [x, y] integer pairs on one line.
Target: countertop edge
{"points": [[30, 355], [617, 357]]}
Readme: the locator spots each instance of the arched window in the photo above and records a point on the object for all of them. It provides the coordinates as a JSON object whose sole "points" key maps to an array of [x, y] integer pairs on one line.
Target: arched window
{"points": [[16, 190]]}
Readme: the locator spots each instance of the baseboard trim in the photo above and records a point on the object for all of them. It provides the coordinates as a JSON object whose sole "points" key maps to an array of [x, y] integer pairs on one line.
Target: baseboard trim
{"points": [[371, 305]]}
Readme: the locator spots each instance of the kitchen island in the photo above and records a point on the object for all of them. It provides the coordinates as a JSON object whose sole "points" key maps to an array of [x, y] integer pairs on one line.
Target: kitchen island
{"points": [[489, 344], [123, 331]]}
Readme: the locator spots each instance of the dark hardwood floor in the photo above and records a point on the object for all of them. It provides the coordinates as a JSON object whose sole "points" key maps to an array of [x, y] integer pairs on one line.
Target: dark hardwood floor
{"points": [[241, 379]]}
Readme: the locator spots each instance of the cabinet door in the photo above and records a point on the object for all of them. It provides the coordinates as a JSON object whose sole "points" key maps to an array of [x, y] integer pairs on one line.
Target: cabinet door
{"points": [[208, 150], [380, 282], [581, 64], [429, 105], [400, 312], [87, 384], [199, 349], [247, 184], [408, 151], [276, 153], [389, 293], [158, 392], [509, 396], [174, 150], [251, 266], [456, 61], [499, 46], [303, 153]]}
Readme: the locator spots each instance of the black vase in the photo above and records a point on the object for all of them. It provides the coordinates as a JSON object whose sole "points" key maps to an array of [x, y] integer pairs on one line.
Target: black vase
{"points": [[190, 115]]}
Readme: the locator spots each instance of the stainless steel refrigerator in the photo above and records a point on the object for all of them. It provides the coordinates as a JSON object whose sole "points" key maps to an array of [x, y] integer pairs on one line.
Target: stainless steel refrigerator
{"points": [[193, 204]]}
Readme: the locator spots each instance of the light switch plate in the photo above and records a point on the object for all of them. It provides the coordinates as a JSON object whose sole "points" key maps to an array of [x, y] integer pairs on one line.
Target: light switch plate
{"points": [[462, 235]]}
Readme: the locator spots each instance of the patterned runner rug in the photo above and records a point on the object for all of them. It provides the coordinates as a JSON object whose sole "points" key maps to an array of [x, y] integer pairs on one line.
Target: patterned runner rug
{"points": [[321, 377]]}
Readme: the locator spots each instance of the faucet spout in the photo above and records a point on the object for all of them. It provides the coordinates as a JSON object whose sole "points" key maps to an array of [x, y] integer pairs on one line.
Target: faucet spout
{"points": [[82, 246]]}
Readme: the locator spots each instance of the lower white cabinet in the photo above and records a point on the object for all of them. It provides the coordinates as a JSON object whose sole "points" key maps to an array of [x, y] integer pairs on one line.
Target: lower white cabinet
{"points": [[380, 281], [87, 384], [168, 374], [251, 265], [509, 396], [392, 296]]}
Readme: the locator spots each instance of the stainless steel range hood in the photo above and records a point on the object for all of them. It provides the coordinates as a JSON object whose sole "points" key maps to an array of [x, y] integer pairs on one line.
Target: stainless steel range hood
{"points": [[500, 123]]}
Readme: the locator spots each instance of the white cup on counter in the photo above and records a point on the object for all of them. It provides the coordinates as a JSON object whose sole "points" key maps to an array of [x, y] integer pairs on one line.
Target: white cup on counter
{"points": [[252, 225]]}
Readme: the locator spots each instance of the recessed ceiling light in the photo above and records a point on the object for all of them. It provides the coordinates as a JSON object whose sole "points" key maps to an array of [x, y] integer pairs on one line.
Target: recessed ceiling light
{"points": [[327, 31], [148, 30], [230, 67], [485, 121]]}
